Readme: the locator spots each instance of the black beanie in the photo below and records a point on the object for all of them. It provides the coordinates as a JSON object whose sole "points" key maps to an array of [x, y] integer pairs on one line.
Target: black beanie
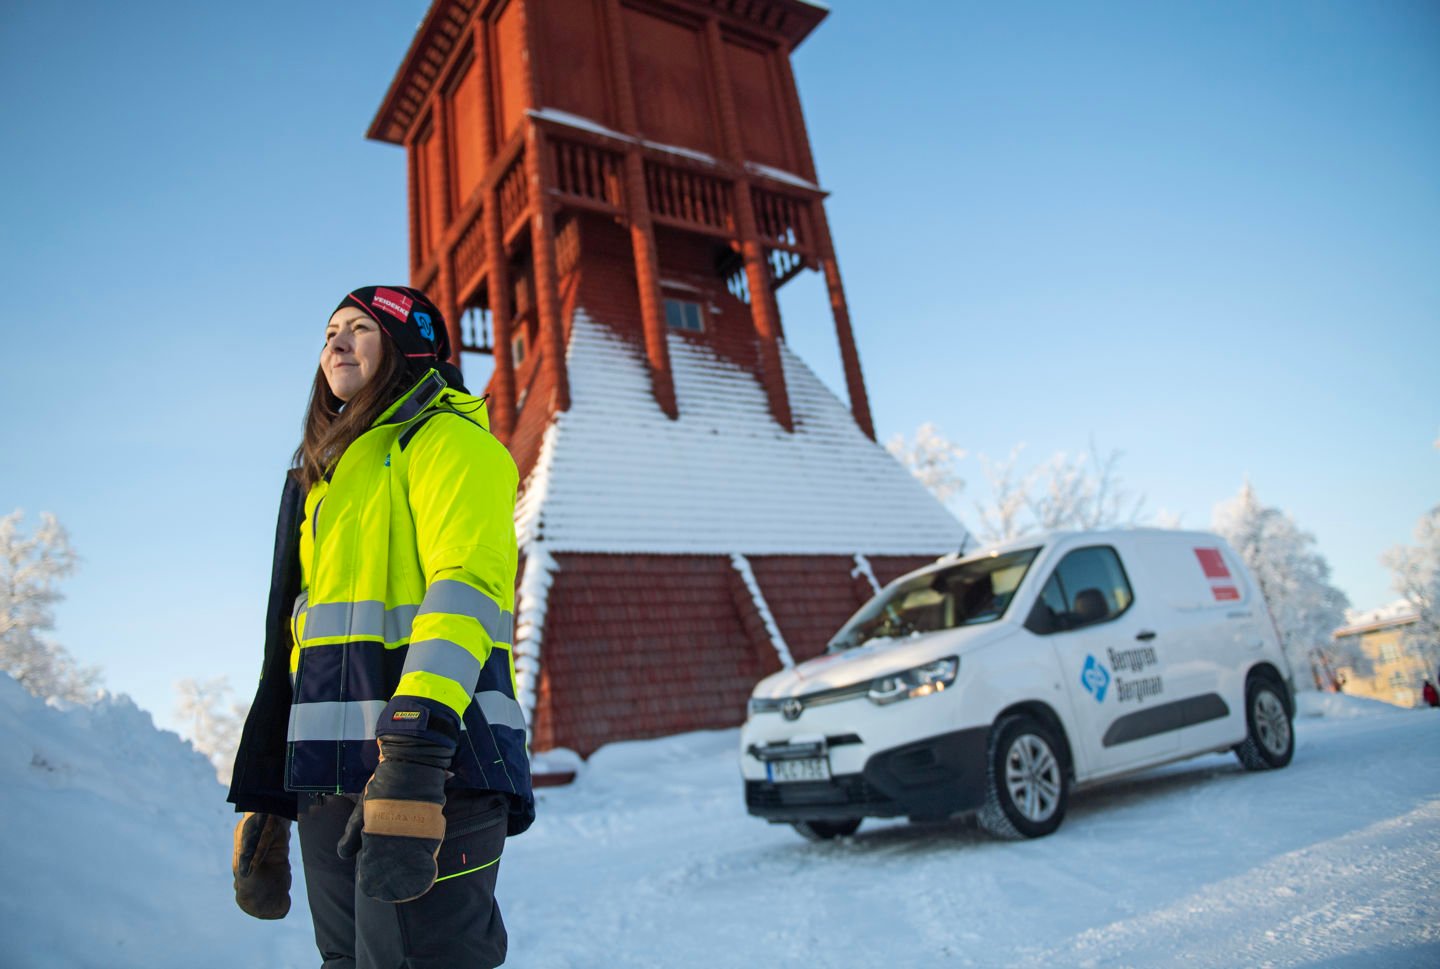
{"points": [[409, 318]]}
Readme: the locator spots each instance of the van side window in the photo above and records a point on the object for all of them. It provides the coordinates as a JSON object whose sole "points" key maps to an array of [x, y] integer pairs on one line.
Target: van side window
{"points": [[1087, 587]]}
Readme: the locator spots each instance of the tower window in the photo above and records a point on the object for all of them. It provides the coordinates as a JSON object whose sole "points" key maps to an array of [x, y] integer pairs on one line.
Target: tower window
{"points": [[517, 348], [684, 315]]}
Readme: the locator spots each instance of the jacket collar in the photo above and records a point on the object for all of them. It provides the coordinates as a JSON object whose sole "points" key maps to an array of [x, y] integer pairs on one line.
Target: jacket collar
{"points": [[426, 393], [414, 401]]}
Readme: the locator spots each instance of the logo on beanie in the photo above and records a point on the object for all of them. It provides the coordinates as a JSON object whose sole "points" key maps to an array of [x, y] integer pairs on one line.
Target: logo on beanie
{"points": [[396, 304], [426, 329]]}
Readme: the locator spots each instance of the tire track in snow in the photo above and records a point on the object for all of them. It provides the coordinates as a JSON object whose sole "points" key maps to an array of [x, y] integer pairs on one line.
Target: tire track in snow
{"points": [[1298, 909]]}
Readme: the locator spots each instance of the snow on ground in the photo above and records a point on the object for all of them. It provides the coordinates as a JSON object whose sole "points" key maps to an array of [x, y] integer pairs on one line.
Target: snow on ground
{"points": [[117, 845]]}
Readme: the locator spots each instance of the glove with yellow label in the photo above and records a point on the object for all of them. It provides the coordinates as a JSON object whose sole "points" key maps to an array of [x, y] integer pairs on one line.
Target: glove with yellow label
{"points": [[261, 865], [397, 826]]}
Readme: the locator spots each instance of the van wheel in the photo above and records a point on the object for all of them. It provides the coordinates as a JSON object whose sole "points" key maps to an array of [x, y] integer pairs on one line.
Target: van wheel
{"points": [[1026, 788], [825, 830], [1270, 735]]}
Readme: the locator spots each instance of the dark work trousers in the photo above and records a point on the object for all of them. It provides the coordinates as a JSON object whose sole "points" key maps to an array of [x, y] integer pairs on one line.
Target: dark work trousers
{"points": [[455, 925]]}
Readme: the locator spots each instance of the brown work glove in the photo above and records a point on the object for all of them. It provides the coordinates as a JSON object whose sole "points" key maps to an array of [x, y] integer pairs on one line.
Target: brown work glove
{"points": [[397, 826], [261, 865]]}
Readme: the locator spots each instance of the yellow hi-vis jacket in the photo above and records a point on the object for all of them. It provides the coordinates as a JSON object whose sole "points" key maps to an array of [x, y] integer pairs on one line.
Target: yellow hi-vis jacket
{"points": [[404, 621]]}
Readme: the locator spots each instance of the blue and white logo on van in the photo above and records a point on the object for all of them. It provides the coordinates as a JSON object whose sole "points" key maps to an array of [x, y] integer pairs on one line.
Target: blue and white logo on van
{"points": [[1095, 678]]}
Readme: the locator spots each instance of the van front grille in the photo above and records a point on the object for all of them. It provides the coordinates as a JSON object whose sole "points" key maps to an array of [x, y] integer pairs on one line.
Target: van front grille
{"points": [[844, 790]]}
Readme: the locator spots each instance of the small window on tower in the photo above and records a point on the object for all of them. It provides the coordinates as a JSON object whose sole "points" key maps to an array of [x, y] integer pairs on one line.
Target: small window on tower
{"points": [[684, 315], [517, 348]]}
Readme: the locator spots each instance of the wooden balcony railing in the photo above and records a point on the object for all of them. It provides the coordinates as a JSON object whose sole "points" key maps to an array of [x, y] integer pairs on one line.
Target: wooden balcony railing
{"points": [[587, 174], [783, 221], [476, 334], [470, 252], [689, 199], [514, 194], [784, 265]]}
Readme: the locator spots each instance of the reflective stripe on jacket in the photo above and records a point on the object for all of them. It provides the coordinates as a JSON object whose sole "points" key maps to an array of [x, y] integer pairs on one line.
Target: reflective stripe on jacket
{"points": [[405, 618]]}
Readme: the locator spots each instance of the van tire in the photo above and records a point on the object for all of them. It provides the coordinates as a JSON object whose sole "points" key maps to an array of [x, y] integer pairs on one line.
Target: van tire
{"points": [[825, 830], [1025, 760], [1269, 729]]}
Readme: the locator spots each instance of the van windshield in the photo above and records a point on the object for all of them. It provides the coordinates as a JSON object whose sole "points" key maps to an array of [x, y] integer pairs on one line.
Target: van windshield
{"points": [[966, 594]]}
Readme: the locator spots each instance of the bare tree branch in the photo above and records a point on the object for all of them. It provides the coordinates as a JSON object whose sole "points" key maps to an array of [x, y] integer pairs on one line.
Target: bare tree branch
{"points": [[1009, 497]]}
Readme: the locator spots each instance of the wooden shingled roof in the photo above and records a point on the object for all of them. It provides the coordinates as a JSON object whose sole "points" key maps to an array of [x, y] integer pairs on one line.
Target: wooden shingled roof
{"points": [[446, 22]]}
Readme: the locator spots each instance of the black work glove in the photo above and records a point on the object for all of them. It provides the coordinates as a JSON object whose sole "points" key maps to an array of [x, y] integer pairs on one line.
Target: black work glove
{"points": [[261, 865], [395, 831]]}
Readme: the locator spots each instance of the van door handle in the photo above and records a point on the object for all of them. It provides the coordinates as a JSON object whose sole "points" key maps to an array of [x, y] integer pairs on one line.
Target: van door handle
{"points": [[1145, 635]]}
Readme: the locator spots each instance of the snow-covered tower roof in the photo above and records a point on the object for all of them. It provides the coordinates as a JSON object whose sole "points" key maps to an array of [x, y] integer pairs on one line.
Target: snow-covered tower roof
{"points": [[615, 474], [605, 197]]}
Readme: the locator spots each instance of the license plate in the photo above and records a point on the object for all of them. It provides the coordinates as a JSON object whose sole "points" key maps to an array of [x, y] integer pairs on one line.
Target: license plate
{"points": [[808, 769]]}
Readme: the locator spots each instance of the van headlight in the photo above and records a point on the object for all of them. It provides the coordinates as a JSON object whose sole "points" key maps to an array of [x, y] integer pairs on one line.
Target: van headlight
{"points": [[920, 681]]}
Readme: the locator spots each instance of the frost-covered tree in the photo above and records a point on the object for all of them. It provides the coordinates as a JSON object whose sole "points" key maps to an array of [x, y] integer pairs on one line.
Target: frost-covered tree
{"points": [[1068, 491], [931, 457], [1002, 517], [213, 718], [1416, 576], [1294, 577], [1074, 491], [30, 569]]}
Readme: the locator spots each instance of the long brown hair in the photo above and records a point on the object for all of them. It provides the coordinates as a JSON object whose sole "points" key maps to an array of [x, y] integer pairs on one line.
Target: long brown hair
{"points": [[332, 425]]}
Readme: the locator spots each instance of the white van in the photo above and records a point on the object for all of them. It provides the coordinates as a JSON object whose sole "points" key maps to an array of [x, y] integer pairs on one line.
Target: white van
{"points": [[999, 681]]}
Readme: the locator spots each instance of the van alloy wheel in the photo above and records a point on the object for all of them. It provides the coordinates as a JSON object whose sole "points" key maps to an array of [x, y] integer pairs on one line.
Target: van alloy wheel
{"points": [[1027, 782], [1272, 726], [1269, 734], [1032, 773]]}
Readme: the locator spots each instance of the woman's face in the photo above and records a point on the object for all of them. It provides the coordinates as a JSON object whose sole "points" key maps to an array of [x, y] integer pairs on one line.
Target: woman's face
{"points": [[352, 351]]}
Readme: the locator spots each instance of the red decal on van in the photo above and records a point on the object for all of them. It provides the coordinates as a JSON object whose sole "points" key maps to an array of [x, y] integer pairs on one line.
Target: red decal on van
{"points": [[1225, 593], [1212, 562]]}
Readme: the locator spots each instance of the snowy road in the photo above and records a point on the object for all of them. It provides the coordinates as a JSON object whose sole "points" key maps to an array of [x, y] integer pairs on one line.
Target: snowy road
{"points": [[1334, 861], [118, 846]]}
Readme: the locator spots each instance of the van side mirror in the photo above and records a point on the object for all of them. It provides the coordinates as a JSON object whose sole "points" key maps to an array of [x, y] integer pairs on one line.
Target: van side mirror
{"points": [[1042, 620]]}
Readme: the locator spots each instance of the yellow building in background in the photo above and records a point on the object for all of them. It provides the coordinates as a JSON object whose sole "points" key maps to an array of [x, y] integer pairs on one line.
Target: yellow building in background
{"points": [[1373, 660]]}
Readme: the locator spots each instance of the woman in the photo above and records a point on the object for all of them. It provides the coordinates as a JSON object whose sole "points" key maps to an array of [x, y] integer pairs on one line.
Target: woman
{"points": [[386, 718]]}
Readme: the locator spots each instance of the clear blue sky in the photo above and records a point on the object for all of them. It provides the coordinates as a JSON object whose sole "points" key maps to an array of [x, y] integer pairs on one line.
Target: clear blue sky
{"points": [[1206, 234]]}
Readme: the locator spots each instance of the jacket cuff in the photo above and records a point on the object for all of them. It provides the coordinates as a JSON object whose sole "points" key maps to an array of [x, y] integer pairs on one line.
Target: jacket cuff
{"points": [[419, 717]]}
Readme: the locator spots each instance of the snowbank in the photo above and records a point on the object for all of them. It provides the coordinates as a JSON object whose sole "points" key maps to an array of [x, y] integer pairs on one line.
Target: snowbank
{"points": [[117, 846], [1341, 706]]}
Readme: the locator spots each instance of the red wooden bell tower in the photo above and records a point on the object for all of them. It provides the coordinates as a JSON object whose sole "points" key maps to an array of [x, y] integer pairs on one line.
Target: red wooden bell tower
{"points": [[605, 186]]}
